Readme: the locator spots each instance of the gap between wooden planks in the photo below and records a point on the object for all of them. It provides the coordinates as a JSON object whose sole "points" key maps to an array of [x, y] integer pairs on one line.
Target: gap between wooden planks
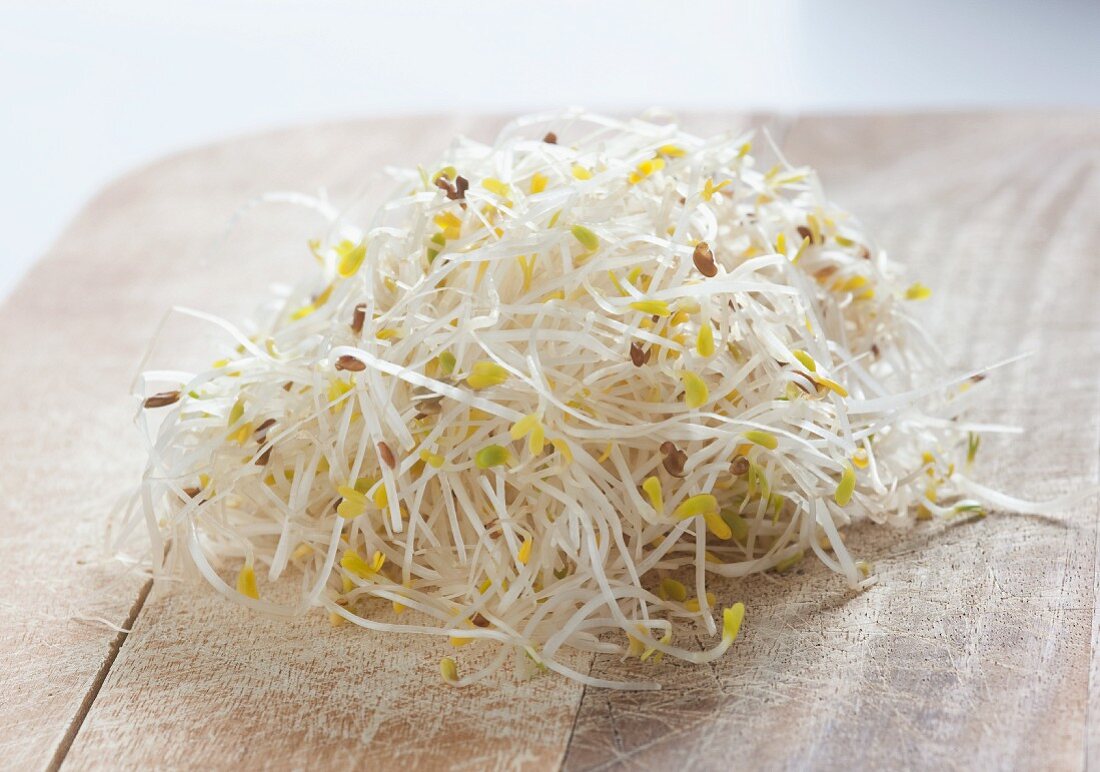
{"points": [[975, 649]]}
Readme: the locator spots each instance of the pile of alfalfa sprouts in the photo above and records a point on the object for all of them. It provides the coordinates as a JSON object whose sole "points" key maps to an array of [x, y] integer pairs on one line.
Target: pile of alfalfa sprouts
{"points": [[555, 384]]}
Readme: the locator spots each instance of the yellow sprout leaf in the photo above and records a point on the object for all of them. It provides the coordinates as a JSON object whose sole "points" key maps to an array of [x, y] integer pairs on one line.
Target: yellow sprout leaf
{"points": [[538, 182], [763, 439], [731, 622], [353, 505], [355, 564], [537, 441], [831, 385], [486, 374], [918, 291], [717, 526], [586, 237], [665, 639], [709, 188], [338, 388], [246, 582], [654, 307], [494, 185], [446, 362], [652, 488], [449, 670], [581, 173], [704, 342], [693, 604], [787, 564], [523, 426], [693, 506], [431, 459], [562, 447], [672, 151], [524, 553], [696, 393], [845, 487], [490, 456], [673, 590], [806, 360], [236, 412], [350, 260]]}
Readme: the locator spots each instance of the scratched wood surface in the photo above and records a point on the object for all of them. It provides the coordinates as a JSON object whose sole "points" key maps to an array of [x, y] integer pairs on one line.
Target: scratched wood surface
{"points": [[975, 650]]}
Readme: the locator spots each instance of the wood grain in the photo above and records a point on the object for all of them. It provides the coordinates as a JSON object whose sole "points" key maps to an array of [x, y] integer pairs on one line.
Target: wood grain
{"points": [[975, 649]]}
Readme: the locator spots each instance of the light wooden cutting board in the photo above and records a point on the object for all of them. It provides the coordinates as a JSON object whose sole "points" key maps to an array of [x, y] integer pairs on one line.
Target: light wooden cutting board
{"points": [[975, 650]]}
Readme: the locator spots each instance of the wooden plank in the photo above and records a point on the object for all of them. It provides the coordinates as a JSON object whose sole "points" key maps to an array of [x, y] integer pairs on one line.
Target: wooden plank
{"points": [[974, 650], [73, 334]]}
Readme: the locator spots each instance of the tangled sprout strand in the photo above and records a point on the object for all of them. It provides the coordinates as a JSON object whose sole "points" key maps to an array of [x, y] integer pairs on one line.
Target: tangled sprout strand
{"points": [[551, 376]]}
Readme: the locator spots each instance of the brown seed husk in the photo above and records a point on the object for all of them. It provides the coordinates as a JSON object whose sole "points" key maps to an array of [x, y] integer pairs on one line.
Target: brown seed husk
{"points": [[350, 363], [386, 455], [163, 399], [704, 260], [358, 318]]}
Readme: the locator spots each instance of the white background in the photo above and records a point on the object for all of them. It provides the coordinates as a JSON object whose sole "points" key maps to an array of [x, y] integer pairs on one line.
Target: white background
{"points": [[89, 90]]}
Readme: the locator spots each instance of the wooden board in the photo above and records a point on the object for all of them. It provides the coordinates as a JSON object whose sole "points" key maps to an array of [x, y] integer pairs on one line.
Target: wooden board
{"points": [[975, 649]]}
